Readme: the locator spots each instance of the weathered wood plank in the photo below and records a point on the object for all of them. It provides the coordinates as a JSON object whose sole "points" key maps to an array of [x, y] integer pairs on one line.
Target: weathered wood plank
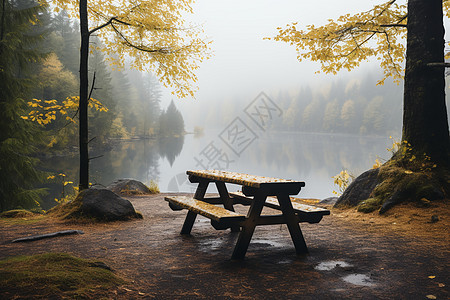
{"points": [[272, 202], [210, 211], [240, 178]]}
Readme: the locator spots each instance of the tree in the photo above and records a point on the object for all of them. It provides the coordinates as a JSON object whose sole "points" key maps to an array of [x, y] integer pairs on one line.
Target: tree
{"points": [[331, 116], [132, 29], [18, 137], [425, 147], [171, 122], [348, 115]]}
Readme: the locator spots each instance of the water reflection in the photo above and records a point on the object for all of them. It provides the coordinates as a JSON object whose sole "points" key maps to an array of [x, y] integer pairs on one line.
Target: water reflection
{"points": [[313, 158], [170, 148]]}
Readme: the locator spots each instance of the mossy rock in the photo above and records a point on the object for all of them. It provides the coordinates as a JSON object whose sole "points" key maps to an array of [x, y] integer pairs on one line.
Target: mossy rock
{"points": [[97, 204], [360, 189], [129, 187], [394, 183]]}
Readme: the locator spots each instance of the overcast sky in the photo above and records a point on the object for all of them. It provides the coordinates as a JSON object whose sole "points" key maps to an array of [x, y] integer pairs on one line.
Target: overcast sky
{"points": [[243, 63]]}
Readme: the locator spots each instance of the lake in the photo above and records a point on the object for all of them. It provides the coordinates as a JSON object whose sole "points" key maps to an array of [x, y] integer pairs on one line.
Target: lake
{"points": [[310, 157]]}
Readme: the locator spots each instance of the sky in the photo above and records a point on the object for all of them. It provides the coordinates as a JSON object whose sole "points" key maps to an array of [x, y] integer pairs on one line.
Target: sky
{"points": [[245, 64]]}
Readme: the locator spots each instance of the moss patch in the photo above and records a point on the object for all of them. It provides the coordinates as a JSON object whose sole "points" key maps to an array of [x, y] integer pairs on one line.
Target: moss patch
{"points": [[67, 210], [56, 276], [401, 181], [19, 217], [369, 205], [17, 213]]}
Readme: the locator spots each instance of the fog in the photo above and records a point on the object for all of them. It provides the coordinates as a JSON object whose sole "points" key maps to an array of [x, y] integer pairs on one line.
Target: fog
{"points": [[244, 64]]}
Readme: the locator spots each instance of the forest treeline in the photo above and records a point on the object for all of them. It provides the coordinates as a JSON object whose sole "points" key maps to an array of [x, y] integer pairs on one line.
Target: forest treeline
{"points": [[39, 68], [132, 98], [350, 106], [355, 106]]}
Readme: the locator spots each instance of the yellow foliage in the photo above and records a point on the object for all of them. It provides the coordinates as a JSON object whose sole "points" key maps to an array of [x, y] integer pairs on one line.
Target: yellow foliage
{"points": [[151, 35], [342, 180], [344, 43], [395, 145], [377, 164], [65, 197], [47, 111]]}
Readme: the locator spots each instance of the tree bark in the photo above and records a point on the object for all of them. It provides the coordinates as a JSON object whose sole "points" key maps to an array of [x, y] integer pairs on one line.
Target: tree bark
{"points": [[83, 104], [425, 124]]}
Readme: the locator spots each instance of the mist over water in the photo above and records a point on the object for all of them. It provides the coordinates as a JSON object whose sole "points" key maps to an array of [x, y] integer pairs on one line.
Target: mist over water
{"points": [[309, 157]]}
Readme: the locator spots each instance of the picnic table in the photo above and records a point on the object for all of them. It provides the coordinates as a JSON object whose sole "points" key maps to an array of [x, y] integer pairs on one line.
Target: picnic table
{"points": [[257, 192]]}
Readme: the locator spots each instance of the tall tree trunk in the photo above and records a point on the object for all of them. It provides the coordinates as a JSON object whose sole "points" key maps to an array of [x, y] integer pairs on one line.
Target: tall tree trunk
{"points": [[425, 124], [83, 105]]}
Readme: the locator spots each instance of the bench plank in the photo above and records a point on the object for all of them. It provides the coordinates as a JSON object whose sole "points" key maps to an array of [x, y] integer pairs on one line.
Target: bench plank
{"points": [[272, 202], [213, 212]]}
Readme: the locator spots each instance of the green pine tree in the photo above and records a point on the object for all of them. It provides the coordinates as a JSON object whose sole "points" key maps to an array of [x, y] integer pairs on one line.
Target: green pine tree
{"points": [[18, 174]]}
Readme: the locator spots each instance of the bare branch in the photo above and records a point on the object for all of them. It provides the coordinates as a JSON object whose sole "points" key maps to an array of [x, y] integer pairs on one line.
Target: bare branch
{"points": [[92, 87], [95, 157]]}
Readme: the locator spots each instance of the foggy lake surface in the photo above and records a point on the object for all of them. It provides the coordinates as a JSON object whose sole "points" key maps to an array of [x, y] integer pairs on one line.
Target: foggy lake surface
{"points": [[310, 157]]}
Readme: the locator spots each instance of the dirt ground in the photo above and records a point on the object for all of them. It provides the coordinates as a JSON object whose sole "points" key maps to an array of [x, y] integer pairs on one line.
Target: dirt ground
{"points": [[402, 255]]}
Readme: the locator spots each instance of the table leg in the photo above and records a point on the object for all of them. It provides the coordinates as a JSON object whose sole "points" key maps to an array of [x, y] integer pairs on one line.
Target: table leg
{"points": [[227, 201], [292, 224], [249, 226], [191, 216]]}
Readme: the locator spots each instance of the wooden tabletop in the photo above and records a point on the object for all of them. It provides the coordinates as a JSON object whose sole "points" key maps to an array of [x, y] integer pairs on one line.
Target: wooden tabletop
{"points": [[242, 179]]}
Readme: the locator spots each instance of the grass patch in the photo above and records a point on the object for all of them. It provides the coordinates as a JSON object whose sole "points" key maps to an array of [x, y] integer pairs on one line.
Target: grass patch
{"points": [[153, 187], [67, 210], [19, 217], [17, 213], [55, 275]]}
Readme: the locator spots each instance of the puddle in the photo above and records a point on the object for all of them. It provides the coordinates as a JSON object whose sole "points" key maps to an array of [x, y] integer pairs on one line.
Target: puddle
{"points": [[359, 279], [271, 243], [331, 264], [285, 261], [211, 245]]}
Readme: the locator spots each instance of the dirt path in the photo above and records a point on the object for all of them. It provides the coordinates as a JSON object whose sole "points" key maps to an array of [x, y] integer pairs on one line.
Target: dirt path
{"points": [[352, 256]]}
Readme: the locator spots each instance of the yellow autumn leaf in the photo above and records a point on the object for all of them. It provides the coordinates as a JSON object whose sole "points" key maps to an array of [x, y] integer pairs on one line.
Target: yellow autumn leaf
{"points": [[151, 35], [432, 277], [351, 39]]}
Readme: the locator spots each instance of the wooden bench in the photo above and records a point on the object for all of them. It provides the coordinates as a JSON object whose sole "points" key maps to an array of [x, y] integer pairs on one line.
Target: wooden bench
{"points": [[257, 192], [221, 218], [306, 213]]}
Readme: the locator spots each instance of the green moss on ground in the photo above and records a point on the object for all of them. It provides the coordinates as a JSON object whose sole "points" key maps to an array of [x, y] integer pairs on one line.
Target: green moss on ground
{"points": [[55, 276]]}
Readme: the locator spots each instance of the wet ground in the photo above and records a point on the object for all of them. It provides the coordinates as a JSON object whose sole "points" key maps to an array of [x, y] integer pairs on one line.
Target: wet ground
{"points": [[352, 256]]}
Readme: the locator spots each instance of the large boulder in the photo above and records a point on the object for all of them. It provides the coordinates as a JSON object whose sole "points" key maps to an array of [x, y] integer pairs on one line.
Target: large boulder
{"points": [[102, 204], [128, 187], [360, 189]]}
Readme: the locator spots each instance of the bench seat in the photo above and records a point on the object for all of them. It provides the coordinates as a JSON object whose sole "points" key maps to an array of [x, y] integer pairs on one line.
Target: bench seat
{"points": [[308, 213], [213, 212]]}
